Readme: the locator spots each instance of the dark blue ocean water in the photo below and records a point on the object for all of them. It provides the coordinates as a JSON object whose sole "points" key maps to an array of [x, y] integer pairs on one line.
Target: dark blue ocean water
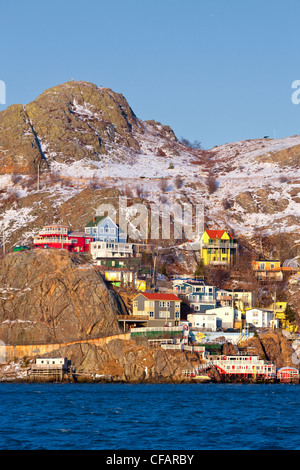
{"points": [[149, 417]]}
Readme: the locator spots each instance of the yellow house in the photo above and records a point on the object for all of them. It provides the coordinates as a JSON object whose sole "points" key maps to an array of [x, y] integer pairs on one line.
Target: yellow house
{"points": [[217, 247], [280, 313], [141, 285]]}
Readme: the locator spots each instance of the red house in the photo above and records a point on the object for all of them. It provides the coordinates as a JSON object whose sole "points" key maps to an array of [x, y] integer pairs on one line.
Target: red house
{"points": [[59, 237], [288, 374]]}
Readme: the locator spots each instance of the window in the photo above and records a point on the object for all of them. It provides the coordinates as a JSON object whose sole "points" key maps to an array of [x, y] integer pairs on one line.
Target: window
{"points": [[164, 314], [113, 231], [101, 230], [177, 314], [135, 304], [151, 314], [164, 304]]}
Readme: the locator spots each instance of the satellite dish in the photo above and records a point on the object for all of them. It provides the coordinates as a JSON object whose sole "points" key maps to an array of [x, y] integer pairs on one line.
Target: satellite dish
{"points": [[290, 263]]}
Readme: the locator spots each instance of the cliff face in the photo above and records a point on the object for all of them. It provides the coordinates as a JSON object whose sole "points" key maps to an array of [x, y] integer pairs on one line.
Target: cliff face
{"points": [[128, 361], [272, 346], [50, 296]]}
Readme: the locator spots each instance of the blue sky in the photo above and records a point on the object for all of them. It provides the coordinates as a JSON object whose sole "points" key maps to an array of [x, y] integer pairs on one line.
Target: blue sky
{"points": [[216, 71]]}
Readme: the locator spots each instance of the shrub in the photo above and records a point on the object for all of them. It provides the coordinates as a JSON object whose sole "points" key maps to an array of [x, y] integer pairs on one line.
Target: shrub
{"points": [[212, 183], [160, 153], [178, 182], [163, 184], [15, 179]]}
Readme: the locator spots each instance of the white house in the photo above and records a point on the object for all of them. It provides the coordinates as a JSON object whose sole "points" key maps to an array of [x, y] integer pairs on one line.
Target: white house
{"points": [[227, 315], [261, 318], [110, 250], [206, 321]]}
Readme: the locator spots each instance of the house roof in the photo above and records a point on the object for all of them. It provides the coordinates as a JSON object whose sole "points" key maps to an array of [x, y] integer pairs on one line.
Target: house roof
{"points": [[95, 221], [79, 234], [158, 296], [215, 234], [266, 261]]}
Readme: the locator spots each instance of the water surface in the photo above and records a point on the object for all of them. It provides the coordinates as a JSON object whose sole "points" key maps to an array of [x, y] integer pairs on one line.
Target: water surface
{"points": [[149, 416]]}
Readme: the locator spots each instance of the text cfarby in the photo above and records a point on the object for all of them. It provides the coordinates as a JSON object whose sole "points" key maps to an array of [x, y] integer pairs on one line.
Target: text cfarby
{"points": [[155, 459]]}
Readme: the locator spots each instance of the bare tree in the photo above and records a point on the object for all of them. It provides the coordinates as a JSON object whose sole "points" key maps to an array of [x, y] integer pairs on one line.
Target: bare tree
{"points": [[178, 182], [163, 184], [193, 145], [212, 183]]}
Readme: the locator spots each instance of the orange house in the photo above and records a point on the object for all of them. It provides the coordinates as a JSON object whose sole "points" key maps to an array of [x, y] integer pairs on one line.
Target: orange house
{"points": [[267, 269]]}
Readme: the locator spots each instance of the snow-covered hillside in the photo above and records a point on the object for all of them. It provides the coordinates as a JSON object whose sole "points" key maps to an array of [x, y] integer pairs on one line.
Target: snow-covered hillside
{"points": [[81, 136]]}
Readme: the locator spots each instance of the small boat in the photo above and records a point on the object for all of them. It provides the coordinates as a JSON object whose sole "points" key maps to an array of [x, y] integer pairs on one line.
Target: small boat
{"points": [[202, 378]]}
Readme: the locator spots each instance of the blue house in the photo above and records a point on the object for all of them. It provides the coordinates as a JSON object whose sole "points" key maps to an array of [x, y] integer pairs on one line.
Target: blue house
{"points": [[200, 296], [104, 229]]}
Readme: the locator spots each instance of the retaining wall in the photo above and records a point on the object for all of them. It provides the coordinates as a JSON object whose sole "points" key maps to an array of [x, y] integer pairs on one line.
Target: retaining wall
{"points": [[19, 351]]}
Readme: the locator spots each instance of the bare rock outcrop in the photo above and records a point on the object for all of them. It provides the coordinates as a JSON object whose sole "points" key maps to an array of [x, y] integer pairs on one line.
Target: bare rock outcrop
{"points": [[54, 296], [125, 360], [272, 346]]}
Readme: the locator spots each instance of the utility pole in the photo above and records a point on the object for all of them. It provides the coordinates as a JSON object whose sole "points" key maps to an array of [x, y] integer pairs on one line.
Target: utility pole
{"points": [[274, 310], [3, 245], [154, 272], [38, 178]]}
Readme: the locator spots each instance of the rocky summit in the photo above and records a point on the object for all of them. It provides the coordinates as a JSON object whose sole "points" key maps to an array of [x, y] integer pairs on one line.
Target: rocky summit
{"points": [[67, 123]]}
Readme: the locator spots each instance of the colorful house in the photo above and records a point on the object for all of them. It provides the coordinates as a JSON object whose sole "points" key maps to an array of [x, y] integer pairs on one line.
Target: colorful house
{"points": [[159, 309], [103, 250], [288, 374], [267, 269], [245, 366], [261, 318], [206, 321], [227, 317], [200, 296], [124, 277], [59, 237], [280, 313], [104, 229], [238, 299], [217, 247]]}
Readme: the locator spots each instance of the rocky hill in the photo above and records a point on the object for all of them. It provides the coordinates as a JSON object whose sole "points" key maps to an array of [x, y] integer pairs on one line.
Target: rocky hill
{"points": [[54, 297], [77, 139]]}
